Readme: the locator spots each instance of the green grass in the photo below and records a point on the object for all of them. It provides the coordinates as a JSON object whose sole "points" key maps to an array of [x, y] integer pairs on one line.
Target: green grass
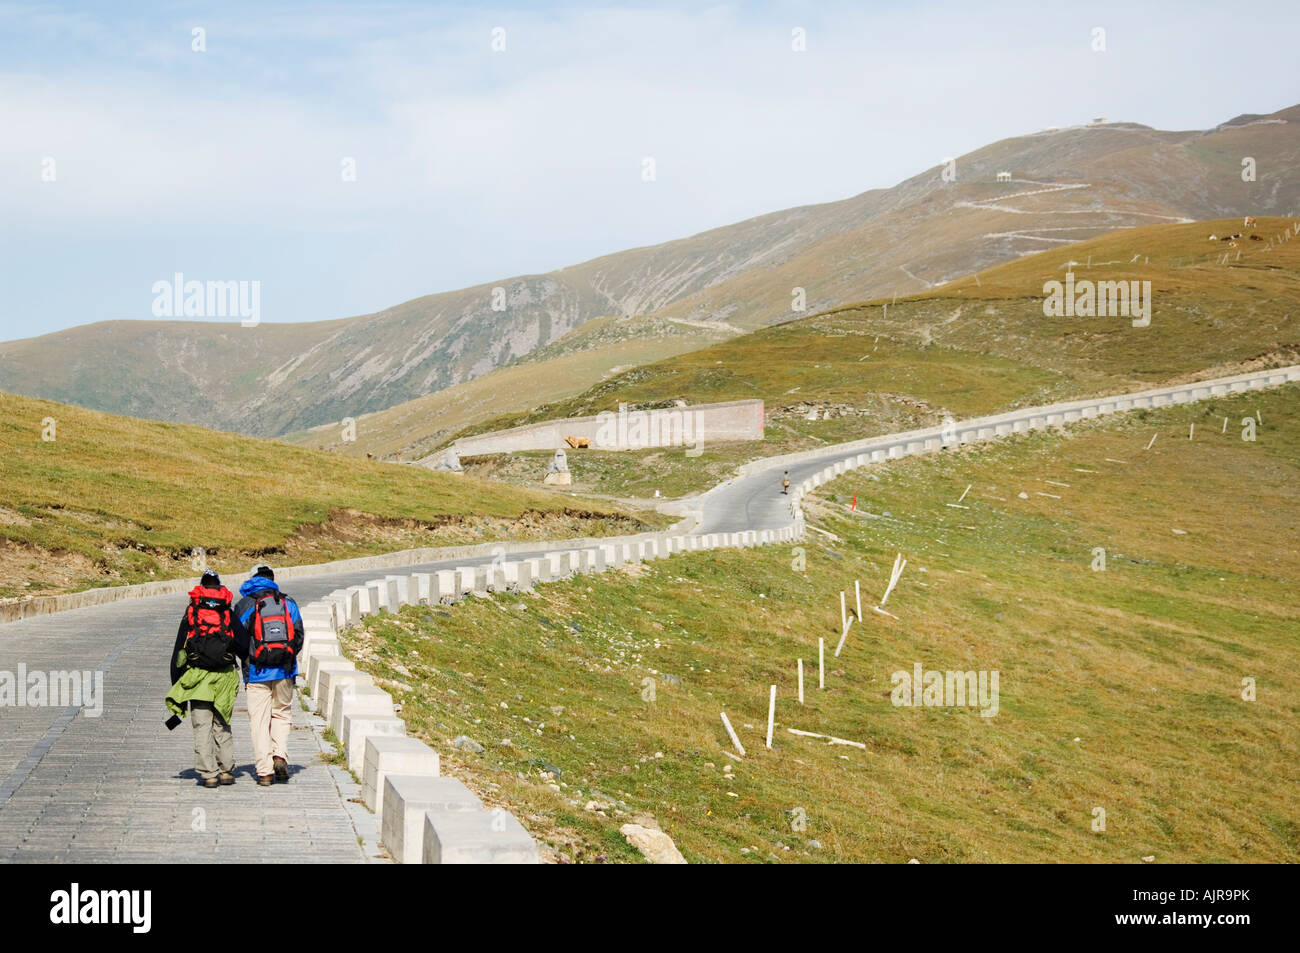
{"points": [[115, 500], [1206, 314], [1142, 663], [338, 756]]}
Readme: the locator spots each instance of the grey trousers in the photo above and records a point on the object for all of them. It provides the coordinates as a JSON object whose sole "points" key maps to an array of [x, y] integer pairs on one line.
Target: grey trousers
{"points": [[214, 745]]}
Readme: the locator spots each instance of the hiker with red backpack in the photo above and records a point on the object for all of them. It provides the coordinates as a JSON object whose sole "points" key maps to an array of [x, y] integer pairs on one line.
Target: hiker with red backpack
{"points": [[268, 638], [205, 680]]}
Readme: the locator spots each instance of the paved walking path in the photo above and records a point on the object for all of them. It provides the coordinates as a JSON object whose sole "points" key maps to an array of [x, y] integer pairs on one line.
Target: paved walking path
{"points": [[120, 787]]}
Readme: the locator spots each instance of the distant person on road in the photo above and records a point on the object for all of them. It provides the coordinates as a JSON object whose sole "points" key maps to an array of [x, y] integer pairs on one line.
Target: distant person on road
{"points": [[205, 679], [785, 483], [268, 640]]}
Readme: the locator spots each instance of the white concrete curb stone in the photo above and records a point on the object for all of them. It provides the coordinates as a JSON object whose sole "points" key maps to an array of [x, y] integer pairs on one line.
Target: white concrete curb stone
{"points": [[407, 798], [385, 754]]}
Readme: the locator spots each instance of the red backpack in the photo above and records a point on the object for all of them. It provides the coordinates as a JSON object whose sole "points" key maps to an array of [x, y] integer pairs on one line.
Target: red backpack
{"points": [[209, 636], [272, 632]]}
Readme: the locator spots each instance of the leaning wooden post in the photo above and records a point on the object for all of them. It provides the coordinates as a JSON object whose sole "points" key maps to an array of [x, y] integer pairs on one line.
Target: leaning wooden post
{"points": [[731, 732], [844, 635]]}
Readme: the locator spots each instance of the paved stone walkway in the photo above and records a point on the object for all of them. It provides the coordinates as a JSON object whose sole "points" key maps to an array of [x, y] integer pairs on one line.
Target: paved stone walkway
{"points": [[121, 787]]}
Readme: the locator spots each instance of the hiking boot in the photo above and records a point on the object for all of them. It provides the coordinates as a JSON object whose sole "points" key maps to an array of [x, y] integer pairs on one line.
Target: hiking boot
{"points": [[225, 777], [265, 780], [281, 769], [210, 782]]}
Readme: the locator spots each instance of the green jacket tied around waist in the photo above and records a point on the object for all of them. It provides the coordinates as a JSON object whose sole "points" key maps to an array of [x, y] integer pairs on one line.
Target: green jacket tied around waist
{"points": [[199, 684]]}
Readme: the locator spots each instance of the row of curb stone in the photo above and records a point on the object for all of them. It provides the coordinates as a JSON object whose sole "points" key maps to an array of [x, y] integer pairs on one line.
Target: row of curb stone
{"points": [[422, 816], [980, 430]]}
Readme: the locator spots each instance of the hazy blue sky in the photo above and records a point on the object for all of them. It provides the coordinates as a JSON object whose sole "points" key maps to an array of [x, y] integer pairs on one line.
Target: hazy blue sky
{"points": [[473, 165]]}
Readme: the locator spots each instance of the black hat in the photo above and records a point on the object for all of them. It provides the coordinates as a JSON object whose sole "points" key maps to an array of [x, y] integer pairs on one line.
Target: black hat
{"points": [[210, 580], [263, 570]]}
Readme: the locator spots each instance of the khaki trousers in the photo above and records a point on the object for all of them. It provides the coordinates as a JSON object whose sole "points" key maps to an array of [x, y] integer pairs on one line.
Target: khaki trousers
{"points": [[269, 718], [214, 745]]}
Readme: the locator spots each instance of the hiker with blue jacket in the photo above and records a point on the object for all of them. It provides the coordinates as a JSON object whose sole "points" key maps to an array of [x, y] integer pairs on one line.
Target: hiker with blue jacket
{"points": [[268, 639]]}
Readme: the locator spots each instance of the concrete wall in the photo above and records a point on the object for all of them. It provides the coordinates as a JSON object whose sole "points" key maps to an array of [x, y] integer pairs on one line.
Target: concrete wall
{"points": [[699, 424]]}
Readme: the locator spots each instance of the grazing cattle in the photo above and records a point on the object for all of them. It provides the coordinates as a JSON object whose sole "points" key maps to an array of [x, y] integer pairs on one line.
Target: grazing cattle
{"points": [[578, 443], [1250, 220], [1256, 238], [1214, 238]]}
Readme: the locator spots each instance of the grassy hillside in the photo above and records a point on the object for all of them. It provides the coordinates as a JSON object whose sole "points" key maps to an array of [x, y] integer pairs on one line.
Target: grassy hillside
{"points": [[1206, 313], [1119, 689], [113, 500], [976, 346]]}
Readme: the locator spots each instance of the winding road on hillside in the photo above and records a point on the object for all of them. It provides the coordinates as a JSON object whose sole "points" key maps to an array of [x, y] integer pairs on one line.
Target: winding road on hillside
{"points": [[117, 786]]}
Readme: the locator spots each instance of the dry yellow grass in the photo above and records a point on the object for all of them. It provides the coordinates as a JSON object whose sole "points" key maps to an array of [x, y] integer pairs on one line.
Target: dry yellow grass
{"points": [[115, 500]]}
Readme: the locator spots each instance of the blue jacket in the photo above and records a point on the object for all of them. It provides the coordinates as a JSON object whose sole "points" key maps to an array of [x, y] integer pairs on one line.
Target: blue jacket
{"points": [[243, 613]]}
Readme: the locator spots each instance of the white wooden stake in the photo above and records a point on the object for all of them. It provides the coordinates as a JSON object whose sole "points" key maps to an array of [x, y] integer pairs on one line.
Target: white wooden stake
{"points": [[831, 738], [771, 714], [843, 636], [731, 732], [857, 591], [899, 563], [801, 681], [964, 492], [821, 663], [1153, 439], [1225, 425], [1191, 430]]}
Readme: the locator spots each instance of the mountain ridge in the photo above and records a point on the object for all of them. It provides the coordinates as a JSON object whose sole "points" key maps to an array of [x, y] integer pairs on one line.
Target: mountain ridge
{"points": [[1067, 184]]}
